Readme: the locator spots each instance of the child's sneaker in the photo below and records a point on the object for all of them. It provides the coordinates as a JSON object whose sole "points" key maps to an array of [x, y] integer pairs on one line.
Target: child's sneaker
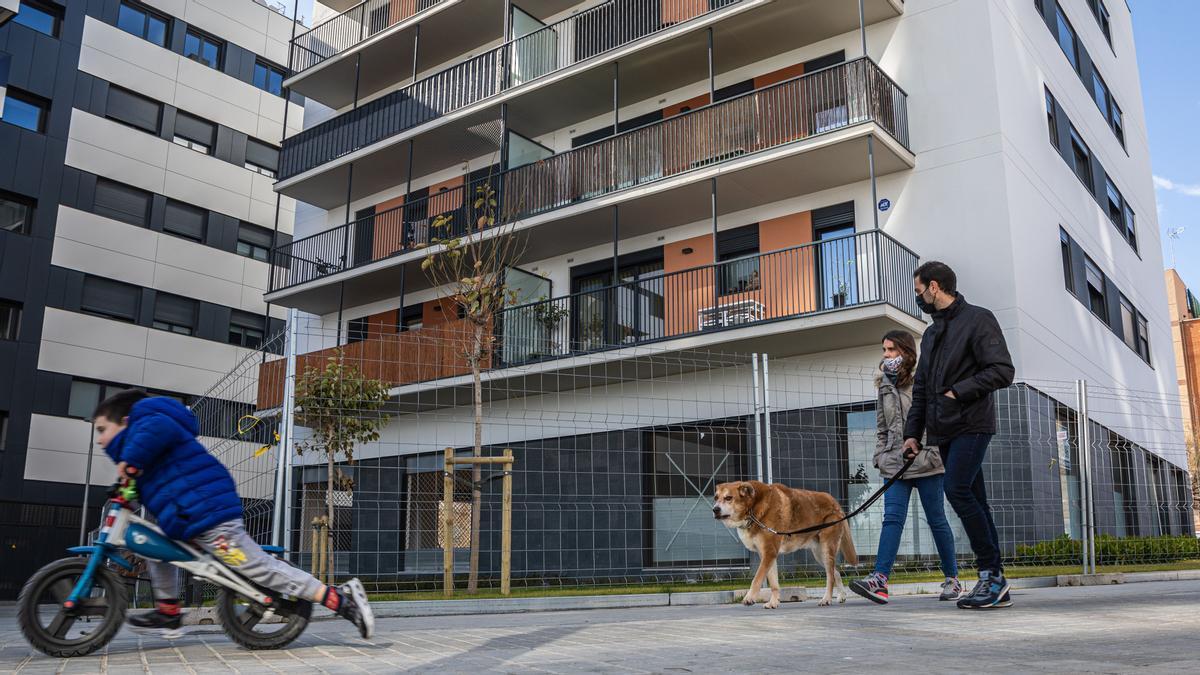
{"points": [[351, 604], [872, 587], [169, 624], [951, 589]]}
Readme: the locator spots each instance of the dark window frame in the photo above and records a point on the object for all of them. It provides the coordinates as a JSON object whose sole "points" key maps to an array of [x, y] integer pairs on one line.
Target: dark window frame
{"points": [[1052, 118], [247, 248], [29, 204], [3, 430], [204, 39], [10, 320], [147, 16], [42, 106], [1061, 22], [1103, 18], [243, 326], [55, 13], [183, 138], [1143, 338], [1081, 163], [1097, 299], [183, 233], [1067, 260], [115, 116], [259, 168], [107, 313], [357, 330], [171, 324], [268, 70], [118, 215]]}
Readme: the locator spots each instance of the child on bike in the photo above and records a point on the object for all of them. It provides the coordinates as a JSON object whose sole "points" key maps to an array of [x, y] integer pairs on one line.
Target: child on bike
{"points": [[193, 496]]}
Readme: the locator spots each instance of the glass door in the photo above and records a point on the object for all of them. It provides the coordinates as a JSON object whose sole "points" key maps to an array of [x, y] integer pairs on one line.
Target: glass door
{"points": [[534, 50], [529, 329], [837, 279]]}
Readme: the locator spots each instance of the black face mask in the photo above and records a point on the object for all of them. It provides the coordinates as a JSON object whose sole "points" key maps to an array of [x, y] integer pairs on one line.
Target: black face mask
{"points": [[927, 307]]}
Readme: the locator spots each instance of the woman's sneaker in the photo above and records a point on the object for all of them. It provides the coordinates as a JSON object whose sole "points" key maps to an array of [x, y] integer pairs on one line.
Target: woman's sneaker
{"points": [[872, 587], [951, 589]]}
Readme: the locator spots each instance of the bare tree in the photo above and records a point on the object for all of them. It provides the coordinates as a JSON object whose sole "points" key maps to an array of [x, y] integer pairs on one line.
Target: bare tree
{"points": [[468, 263]]}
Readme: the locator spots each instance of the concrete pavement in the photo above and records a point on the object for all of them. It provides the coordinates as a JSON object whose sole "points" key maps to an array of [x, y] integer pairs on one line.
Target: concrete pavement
{"points": [[1149, 627]]}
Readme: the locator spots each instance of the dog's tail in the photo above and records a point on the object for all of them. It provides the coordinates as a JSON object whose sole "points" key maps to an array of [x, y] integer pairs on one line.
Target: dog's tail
{"points": [[847, 545]]}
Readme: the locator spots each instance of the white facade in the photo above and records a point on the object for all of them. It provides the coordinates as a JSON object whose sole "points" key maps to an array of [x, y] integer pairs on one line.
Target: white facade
{"points": [[986, 193]]}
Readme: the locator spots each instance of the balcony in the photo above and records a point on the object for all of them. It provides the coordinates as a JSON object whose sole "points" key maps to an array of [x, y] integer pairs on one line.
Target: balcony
{"points": [[820, 296], [551, 77], [379, 36], [792, 138]]}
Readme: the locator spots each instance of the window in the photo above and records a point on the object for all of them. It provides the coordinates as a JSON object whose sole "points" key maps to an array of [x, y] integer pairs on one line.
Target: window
{"points": [[1117, 120], [1143, 338], [1068, 268], [1130, 227], [184, 220], [412, 318], [175, 313], [262, 158], [1127, 323], [1115, 204], [195, 133], [1052, 119], [1097, 302], [111, 299], [3, 430], [1081, 159], [737, 249], [1102, 17], [143, 23], [134, 110], [16, 213], [85, 396], [203, 49], [26, 110], [40, 16], [245, 330], [1067, 40], [1100, 92], [10, 320], [122, 202], [254, 242], [269, 78], [358, 330]]}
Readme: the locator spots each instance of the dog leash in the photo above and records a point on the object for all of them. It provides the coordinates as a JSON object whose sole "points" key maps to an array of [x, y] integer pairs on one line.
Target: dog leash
{"points": [[867, 504]]}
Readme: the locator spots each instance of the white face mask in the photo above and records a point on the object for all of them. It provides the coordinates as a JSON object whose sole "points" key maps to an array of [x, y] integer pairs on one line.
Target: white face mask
{"points": [[892, 366]]}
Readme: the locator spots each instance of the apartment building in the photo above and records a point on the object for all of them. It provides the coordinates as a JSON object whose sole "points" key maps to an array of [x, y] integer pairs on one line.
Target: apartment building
{"points": [[741, 176], [1185, 339], [138, 149]]}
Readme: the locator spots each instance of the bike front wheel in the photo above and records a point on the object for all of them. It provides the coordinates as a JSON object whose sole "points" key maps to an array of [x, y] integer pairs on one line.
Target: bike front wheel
{"points": [[60, 632], [255, 626]]}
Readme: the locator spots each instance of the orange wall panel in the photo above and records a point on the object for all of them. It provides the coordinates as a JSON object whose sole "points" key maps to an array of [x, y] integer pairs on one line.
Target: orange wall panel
{"points": [[776, 76], [686, 294], [389, 228], [788, 278]]}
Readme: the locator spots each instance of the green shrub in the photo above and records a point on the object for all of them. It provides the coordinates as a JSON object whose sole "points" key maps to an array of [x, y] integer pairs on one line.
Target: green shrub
{"points": [[1111, 550]]}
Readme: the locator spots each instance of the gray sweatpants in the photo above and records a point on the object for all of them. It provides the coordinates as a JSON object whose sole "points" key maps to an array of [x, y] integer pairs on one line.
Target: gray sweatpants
{"points": [[229, 543]]}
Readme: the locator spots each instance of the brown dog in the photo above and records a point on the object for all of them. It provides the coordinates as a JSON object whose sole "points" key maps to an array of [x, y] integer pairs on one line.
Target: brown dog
{"points": [[784, 509]]}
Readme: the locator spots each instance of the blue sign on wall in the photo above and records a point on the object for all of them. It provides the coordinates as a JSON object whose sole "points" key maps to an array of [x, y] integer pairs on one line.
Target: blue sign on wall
{"points": [[885, 204]]}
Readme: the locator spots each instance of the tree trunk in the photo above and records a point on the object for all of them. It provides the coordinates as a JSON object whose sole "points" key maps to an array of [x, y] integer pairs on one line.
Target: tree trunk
{"points": [[329, 524], [476, 470]]}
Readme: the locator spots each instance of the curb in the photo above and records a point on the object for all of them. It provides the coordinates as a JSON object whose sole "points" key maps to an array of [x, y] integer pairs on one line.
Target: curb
{"points": [[426, 608]]}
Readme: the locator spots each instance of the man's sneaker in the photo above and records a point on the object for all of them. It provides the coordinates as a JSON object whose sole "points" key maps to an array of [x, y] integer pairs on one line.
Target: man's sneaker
{"points": [[989, 592], [951, 589], [169, 624], [1004, 601], [872, 587], [355, 608]]}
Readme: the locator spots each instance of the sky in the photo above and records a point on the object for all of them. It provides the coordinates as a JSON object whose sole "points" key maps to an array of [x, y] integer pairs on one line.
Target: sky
{"points": [[1168, 54]]}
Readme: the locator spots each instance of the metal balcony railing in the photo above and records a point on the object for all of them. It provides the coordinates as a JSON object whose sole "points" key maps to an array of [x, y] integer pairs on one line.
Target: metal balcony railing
{"points": [[565, 43], [353, 26], [817, 103], [861, 269]]}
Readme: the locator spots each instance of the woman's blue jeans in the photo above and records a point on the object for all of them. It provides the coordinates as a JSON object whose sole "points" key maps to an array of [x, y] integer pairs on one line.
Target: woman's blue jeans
{"points": [[895, 512]]}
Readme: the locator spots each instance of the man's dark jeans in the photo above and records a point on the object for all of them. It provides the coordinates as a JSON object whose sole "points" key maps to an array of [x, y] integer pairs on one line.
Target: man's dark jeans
{"points": [[963, 457]]}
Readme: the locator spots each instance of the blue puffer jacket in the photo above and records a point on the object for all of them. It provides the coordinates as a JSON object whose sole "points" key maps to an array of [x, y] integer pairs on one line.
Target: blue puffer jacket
{"points": [[187, 489]]}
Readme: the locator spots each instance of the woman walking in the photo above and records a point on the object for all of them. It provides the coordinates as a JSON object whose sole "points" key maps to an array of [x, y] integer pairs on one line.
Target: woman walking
{"points": [[895, 383]]}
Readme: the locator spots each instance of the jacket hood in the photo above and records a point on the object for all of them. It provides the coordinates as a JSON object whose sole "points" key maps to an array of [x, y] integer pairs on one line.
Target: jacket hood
{"points": [[164, 405]]}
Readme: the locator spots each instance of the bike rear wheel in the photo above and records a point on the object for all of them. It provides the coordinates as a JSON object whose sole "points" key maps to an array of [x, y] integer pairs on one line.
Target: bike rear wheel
{"points": [[255, 626], [56, 631]]}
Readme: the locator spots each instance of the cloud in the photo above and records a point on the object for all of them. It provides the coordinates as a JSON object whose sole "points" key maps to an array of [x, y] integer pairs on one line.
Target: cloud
{"points": [[1171, 186]]}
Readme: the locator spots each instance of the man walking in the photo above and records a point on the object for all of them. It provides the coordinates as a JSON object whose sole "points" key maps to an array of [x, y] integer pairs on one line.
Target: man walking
{"points": [[963, 360]]}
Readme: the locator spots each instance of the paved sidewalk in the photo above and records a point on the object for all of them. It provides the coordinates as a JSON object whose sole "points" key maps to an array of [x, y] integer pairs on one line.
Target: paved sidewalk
{"points": [[1151, 628]]}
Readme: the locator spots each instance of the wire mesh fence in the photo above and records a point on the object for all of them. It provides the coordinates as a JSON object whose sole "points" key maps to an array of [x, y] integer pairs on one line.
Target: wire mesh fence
{"points": [[618, 451]]}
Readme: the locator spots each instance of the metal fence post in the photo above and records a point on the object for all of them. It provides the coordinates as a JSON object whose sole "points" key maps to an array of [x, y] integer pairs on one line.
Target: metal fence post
{"points": [[758, 434], [766, 385], [1087, 505], [282, 521]]}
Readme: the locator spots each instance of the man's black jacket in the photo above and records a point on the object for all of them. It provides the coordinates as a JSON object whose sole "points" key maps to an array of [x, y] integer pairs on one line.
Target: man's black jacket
{"points": [[964, 352]]}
